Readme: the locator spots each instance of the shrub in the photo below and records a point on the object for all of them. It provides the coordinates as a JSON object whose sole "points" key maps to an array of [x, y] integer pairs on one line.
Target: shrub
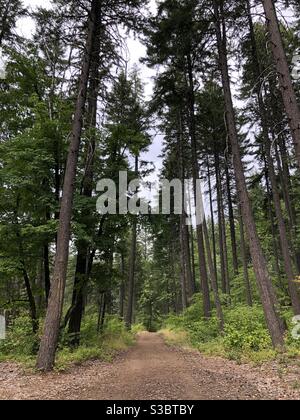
{"points": [[20, 340], [245, 329]]}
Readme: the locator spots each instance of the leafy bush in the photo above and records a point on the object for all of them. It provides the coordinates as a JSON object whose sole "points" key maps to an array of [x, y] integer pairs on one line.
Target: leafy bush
{"points": [[245, 329], [245, 334], [21, 344], [136, 328], [20, 340]]}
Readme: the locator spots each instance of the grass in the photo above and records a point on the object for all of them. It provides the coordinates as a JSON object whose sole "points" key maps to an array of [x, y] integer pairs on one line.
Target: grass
{"points": [[108, 346]]}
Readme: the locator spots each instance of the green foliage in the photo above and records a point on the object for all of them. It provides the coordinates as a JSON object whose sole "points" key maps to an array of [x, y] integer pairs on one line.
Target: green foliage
{"points": [[245, 334], [20, 344], [20, 341], [104, 346], [246, 330]]}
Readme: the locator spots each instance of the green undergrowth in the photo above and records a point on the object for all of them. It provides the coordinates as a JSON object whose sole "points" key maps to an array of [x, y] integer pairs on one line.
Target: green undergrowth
{"points": [[21, 345], [245, 338]]}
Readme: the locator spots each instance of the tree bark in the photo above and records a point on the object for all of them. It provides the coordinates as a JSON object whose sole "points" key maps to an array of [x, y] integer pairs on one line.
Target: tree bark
{"points": [[284, 242], [195, 171], [47, 283], [222, 233], [47, 351], [267, 292], [232, 223], [245, 260], [122, 288], [283, 72], [132, 263], [213, 234], [83, 247]]}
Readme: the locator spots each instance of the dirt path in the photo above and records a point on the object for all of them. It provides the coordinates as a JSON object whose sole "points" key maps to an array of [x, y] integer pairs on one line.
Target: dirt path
{"points": [[150, 370]]}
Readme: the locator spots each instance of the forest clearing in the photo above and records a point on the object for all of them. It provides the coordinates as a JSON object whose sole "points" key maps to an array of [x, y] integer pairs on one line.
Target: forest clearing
{"points": [[150, 200]]}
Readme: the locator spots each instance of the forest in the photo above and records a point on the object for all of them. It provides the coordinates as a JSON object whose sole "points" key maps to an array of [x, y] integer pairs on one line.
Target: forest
{"points": [[218, 117]]}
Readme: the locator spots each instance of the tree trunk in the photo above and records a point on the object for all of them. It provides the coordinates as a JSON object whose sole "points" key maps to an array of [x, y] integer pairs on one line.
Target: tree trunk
{"points": [[267, 292], [284, 242], [102, 312], [83, 247], [287, 188], [184, 295], [132, 263], [232, 224], [222, 244], [283, 72], [47, 283], [213, 234], [47, 351], [184, 232], [122, 288], [245, 260], [195, 170]]}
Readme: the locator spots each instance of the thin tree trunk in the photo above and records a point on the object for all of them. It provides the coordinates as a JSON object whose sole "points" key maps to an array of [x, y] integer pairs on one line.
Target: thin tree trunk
{"points": [[184, 232], [224, 280], [270, 214], [102, 312], [232, 223], [213, 234], [32, 304], [245, 260], [195, 170], [47, 351], [122, 288], [132, 263], [184, 298], [47, 283], [30, 295]]}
